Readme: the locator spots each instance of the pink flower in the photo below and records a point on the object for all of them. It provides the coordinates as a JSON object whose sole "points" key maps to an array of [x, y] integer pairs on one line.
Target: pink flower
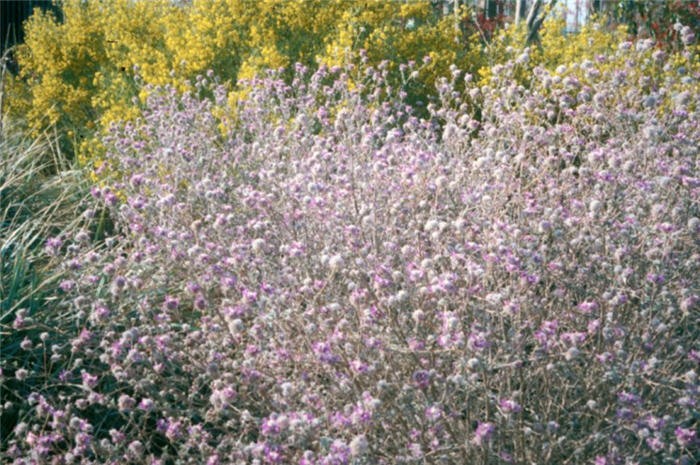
{"points": [[483, 433], [686, 437], [510, 406]]}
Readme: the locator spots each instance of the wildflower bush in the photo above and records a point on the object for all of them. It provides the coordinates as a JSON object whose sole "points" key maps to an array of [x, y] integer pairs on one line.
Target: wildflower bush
{"points": [[371, 287]]}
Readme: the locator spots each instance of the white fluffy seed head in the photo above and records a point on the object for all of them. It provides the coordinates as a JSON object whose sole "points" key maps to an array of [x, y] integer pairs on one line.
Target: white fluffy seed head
{"points": [[572, 353], [359, 446], [431, 225], [336, 263], [418, 315], [473, 363]]}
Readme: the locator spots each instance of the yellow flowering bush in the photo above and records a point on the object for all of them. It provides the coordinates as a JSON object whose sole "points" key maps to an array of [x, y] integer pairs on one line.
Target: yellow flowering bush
{"points": [[557, 47], [85, 64], [58, 67], [397, 33], [80, 75], [656, 74]]}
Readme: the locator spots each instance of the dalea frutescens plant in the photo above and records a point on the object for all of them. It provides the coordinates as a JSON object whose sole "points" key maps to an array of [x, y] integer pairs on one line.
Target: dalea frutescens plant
{"points": [[367, 287]]}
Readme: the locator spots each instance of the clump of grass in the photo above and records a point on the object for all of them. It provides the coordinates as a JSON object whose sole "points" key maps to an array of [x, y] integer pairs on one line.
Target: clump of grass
{"points": [[36, 202], [41, 196]]}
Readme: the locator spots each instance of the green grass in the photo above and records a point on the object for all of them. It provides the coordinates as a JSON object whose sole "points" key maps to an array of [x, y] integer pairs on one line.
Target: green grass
{"points": [[42, 195]]}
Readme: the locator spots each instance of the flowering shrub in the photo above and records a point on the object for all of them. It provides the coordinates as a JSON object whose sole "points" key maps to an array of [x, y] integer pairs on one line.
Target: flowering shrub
{"points": [[395, 34], [369, 287]]}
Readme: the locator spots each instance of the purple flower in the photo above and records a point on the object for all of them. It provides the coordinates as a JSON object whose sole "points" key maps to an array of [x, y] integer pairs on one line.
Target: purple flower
{"points": [[655, 423], [173, 430], [146, 404], [192, 287], [117, 436], [136, 448], [687, 35], [686, 437], [89, 380], [510, 406], [478, 341], [421, 378], [171, 303], [53, 246], [162, 425], [120, 282], [506, 457], [628, 398], [358, 366], [655, 443], [126, 402], [433, 413], [573, 338], [26, 344], [483, 433], [200, 302]]}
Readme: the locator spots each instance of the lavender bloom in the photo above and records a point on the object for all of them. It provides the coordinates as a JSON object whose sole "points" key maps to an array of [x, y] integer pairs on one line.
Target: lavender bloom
{"points": [[146, 404], [484, 432], [510, 406], [686, 437]]}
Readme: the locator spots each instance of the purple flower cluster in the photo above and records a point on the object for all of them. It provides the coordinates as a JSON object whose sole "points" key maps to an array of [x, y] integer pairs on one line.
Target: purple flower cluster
{"points": [[321, 277]]}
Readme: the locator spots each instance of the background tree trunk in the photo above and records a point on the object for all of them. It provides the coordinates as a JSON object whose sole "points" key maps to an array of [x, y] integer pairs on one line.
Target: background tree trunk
{"points": [[490, 8], [520, 10], [535, 18]]}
